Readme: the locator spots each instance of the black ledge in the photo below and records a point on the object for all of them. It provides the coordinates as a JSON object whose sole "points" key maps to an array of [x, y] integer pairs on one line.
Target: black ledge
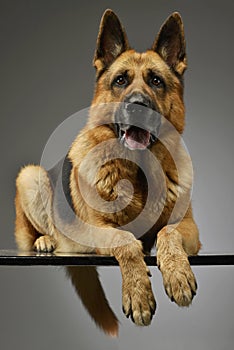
{"points": [[17, 258]]}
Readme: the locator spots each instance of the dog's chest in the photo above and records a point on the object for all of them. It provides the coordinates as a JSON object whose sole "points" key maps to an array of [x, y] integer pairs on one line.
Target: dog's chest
{"points": [[125, 193]]}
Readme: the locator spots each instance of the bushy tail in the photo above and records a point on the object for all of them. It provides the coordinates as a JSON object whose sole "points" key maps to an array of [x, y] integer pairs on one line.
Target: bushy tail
{"points": [[88, 286]]}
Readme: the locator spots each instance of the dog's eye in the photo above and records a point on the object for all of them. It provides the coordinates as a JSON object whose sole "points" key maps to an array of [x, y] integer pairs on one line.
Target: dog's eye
{"points": [[120, 80], [156, 81]]}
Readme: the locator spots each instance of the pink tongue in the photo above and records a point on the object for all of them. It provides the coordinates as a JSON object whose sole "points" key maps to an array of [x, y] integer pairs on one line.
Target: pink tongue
{"points": [[137, 138]]}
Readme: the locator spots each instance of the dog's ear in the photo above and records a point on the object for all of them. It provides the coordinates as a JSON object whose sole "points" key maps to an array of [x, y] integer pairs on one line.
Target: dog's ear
{"points": [[170, 44], [111, 41]]}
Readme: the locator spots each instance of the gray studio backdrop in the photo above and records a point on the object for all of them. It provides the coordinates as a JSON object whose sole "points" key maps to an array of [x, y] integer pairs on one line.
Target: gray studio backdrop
{"points": [[46, 76]]}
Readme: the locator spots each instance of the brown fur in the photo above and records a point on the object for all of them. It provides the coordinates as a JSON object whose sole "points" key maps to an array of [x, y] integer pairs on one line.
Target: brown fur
{"points": [[35, 228]]}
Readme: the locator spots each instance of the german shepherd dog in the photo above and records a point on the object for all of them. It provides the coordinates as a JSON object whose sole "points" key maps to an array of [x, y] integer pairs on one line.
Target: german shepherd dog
{"points": [[119, 159]]}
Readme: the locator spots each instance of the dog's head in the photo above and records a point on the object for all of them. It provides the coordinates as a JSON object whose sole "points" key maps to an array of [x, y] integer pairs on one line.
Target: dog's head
{"points": [[143, 86]]}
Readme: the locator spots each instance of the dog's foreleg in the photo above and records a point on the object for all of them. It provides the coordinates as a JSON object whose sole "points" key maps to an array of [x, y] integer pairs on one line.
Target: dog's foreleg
{"points": [[174, 244], [137, 296]]}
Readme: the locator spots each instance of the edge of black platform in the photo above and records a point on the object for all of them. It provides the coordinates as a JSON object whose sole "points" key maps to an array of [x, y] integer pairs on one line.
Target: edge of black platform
{"points": [[14, 258], [53, 260]]}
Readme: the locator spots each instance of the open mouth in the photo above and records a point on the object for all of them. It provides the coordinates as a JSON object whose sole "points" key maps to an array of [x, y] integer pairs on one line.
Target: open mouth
{"points": [[135, 138]]}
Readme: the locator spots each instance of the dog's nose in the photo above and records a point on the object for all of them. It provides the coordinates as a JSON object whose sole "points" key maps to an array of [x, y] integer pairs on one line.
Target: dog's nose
{"points": [[138, 99], [137, 103], [134, 107]]}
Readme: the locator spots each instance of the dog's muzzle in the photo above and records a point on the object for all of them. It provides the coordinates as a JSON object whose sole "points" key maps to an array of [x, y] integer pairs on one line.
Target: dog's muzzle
{"points": [[137, 123]]}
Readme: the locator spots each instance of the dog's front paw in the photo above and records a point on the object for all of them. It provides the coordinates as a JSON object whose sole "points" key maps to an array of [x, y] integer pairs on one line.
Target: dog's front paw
{"points": [[178, 279], [44, 244], [138, 298]]}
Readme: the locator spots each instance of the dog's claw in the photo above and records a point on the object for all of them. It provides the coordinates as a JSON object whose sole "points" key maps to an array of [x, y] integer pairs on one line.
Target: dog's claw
{"points": [[149, 273], [127, 313], [193, 293]]}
